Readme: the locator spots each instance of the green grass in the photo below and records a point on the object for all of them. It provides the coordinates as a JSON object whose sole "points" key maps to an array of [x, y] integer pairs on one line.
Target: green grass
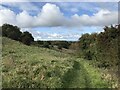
{"points": [[34, 67], [94, 75], [76, 77]]}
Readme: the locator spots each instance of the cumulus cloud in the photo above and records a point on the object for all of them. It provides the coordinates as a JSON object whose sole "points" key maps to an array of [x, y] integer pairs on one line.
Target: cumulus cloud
{"points": [[102, 18], [51, 16]]}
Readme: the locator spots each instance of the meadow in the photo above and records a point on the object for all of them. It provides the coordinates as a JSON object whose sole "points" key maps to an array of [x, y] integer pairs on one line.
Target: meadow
{"points": [[35, 67]]}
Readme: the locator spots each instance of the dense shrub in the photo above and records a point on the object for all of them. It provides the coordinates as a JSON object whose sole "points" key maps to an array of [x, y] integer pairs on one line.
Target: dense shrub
{"points": [[102, 47], [11, 31], [88, 55], [26, 38]]}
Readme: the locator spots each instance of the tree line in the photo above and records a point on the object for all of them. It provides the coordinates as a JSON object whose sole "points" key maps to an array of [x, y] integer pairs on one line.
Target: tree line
{"points": [[53, 44]]}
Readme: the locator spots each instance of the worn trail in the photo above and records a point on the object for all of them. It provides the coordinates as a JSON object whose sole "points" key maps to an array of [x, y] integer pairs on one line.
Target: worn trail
{"points": [[76, 77]]}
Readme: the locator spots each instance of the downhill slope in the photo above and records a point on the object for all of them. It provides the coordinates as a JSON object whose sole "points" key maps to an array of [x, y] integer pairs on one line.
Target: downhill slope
{"points": [[34, 67]]}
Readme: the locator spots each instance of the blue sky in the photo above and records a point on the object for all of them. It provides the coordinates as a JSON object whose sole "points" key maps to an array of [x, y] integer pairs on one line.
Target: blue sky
{"points": [[59, 20]]}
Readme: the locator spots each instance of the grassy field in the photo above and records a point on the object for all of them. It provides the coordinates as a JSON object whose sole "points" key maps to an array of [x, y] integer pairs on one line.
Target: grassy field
{"points": [[34, 67]]}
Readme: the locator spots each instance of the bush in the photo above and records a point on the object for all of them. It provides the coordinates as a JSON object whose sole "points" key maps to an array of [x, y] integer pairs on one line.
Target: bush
{"points": [[46, 44], [27, 38]]}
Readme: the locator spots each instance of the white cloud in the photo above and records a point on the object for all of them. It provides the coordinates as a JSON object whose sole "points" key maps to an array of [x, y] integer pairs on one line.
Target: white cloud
{"points": [[41, 35], [102, 18], [55, 36], [51, 16], [24, 19], [7, 16]]}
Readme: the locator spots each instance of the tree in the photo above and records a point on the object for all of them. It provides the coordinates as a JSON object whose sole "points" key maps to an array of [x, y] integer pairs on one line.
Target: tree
{"points": [[11, 31], [27, 38]]}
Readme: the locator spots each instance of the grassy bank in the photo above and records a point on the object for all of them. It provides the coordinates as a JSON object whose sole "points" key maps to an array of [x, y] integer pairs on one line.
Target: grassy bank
{"points": [[34, 67]]}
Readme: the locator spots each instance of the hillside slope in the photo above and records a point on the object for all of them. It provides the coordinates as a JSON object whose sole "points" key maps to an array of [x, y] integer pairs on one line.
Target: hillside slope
{"points": [[34, 67]]}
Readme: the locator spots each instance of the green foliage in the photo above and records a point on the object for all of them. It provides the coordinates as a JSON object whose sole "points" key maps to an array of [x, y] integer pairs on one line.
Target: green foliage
{"points": [[107, 46], [101, 47], [87, 44], [88, 55]]}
